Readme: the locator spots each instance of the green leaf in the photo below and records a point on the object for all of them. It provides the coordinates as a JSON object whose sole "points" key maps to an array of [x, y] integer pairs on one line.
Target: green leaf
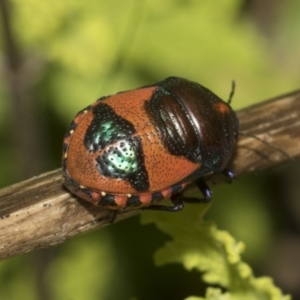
{"points": [[199, 244]]}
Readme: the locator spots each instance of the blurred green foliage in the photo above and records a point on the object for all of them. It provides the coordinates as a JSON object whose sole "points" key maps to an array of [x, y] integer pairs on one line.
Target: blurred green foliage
{"points": [[86, 49]]}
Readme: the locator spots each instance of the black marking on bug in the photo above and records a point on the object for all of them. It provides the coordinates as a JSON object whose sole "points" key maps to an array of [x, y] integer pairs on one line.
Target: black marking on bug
{"points": [[193, 122], [125, 161], [71, 128], [176, 189], [106, 128], [65, 147], [69, 181], [87, 191], [134, 201], [83, 110], [176, 129], [102, 98], [157, 196], [64, 164], [107, 200]]}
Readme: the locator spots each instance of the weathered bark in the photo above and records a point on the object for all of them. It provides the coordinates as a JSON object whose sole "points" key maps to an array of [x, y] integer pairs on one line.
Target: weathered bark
{"points": [[40, 212]]}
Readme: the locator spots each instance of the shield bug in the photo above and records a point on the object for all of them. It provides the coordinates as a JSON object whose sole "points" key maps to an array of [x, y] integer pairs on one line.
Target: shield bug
{"points": [[140, 146]]}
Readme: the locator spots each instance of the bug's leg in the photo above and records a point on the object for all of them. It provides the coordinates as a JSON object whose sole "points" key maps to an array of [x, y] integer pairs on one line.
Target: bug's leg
{"points": [[177, 201], [228, 173], [207, 193], [205, 190], [112, 216]]}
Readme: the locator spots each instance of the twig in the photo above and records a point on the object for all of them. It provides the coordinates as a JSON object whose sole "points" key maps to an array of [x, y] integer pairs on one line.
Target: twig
{"points": [[39, 212]]}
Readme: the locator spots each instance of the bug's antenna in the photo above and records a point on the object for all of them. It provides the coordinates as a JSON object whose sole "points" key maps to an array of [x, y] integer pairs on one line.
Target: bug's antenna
{"points": [[232, 92], [267, 143]]}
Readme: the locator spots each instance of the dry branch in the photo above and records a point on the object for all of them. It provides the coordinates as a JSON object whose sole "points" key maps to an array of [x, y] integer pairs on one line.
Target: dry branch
{"points": [[39, 212]]}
